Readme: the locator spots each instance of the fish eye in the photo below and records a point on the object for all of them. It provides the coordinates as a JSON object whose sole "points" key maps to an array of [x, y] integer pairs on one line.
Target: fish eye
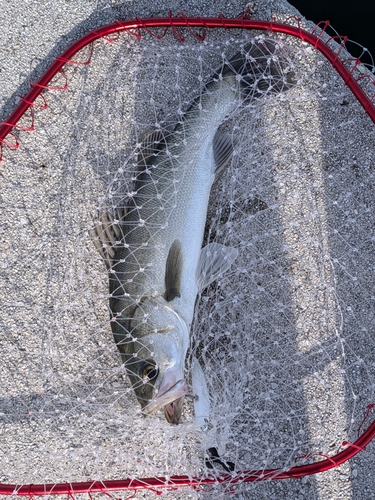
{"points": [[150, 372]]}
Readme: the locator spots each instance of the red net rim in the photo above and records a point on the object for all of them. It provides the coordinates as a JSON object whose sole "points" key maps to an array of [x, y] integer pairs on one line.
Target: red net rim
{"points": [[175, 482]]}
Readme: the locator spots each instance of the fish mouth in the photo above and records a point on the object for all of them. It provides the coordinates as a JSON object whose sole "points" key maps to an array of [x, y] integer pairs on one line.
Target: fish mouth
{"points": [[172, 401], [172, 411]]}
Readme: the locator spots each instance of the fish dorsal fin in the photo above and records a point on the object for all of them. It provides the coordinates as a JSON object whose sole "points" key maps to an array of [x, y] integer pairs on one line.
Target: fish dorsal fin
{"points": [[223, 150], [105, 234], [151, 145], [173, 272], [214, 260]]}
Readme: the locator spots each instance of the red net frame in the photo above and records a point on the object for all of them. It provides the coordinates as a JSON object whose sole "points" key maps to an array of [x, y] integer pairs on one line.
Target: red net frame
{"points": [[158, 484], [346, 68]]}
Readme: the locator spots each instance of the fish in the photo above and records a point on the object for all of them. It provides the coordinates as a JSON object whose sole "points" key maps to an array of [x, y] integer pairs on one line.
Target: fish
{"points": [[152, 244]]}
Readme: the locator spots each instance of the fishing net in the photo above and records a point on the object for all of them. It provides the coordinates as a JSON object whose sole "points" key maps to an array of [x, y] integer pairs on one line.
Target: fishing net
{"points": [[282, 341]]}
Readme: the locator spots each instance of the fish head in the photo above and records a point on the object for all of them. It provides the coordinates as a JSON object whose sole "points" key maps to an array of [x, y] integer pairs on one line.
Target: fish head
{"points": [[156, 368]]}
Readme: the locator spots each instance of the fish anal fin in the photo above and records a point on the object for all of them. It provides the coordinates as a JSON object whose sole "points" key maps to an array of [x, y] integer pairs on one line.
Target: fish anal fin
{"points": [[173, 272], [214, 260]]}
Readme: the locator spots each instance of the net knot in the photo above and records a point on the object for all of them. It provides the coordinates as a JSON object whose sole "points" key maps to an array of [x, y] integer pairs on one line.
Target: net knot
{"points": [[246, 14], [82, 63], [34, 104], [29, 494], [298, 20], [352, 445], [47, 87], [313, 455], [272, 22], [323, 29], [12, 145], [30, 128], [223, 19], [342, 42], [198, 36], [177, 33], [136, 31]]}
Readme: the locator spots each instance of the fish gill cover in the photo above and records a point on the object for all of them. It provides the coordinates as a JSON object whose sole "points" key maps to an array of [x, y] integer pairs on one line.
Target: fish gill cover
{"points": [[274, 335]]}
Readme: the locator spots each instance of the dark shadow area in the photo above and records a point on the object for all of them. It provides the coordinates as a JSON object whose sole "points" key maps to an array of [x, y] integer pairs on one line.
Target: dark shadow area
{"points": [[355, 20]]}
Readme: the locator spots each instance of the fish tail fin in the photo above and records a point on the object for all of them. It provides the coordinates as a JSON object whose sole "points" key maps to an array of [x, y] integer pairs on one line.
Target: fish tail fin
{"points": [[260, 68]]}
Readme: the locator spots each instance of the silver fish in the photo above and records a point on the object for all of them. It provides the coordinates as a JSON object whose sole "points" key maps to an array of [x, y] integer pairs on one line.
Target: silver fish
{"points": [[154, 250]]}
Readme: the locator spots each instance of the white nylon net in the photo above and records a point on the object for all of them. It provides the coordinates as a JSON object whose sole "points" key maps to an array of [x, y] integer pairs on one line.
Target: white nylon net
{"points": [[284, 337]]}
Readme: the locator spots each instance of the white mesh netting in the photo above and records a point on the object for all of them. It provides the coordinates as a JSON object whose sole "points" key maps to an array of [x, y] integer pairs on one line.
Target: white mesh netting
{"points": [[284, 337]]}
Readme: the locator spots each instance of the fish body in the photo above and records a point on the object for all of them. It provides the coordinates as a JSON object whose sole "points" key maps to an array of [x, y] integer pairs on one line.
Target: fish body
{"points": [[158, 265]]}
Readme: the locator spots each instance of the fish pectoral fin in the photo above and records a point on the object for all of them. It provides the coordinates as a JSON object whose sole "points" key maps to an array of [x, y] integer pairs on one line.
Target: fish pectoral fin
{"points": [[223, 144], [173, 271], [105, 234], [214, 260]]}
